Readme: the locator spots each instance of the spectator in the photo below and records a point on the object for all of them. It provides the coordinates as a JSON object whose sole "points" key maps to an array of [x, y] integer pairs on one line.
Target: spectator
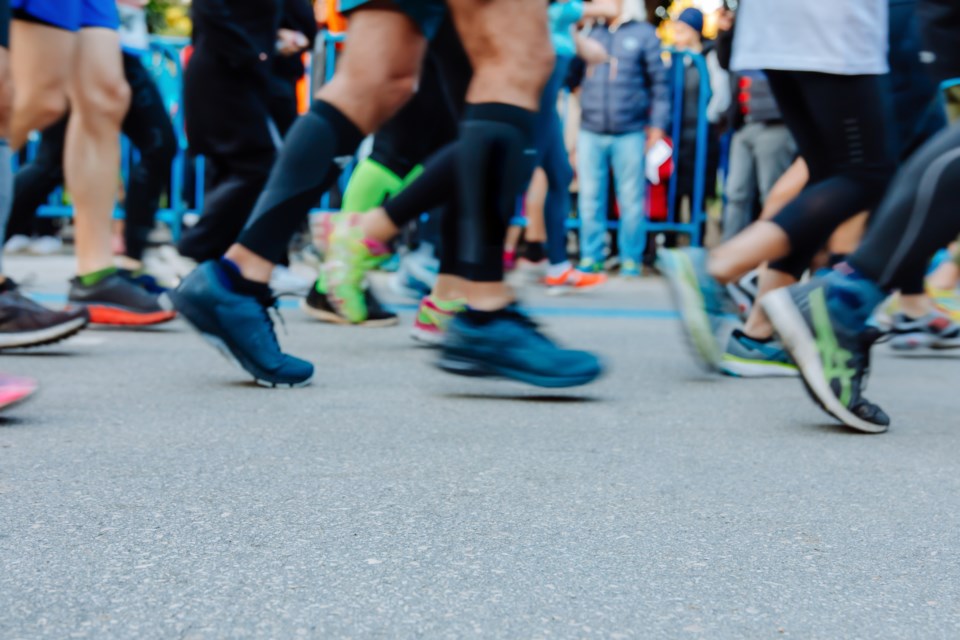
{"points": [[762, 147], [688, 36], [625, 107]]}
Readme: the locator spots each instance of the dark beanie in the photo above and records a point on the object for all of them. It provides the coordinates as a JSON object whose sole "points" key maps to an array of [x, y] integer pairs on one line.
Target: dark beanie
{"points": [[693, 18]]}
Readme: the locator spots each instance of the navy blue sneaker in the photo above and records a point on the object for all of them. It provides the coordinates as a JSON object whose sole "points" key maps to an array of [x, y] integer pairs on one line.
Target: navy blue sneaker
{"points": [[511, 346], [239, 326]]}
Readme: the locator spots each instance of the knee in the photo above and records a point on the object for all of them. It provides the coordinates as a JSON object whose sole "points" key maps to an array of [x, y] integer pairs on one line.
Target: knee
{"points": [[46, 106], [395, 92], [102, 97]]}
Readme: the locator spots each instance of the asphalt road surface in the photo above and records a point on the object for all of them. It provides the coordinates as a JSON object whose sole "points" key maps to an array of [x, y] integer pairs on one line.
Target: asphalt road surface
{"points": [[151, 491]]}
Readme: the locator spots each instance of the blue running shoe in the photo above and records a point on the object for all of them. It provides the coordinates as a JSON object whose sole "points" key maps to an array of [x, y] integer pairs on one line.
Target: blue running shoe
{"points": [[746, 357], [239, 326], [511, 346], [704, 304]]}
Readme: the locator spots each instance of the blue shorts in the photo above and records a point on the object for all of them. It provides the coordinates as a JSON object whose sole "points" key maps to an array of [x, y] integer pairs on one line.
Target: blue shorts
{"points": [[71, 15], [426, 14]]}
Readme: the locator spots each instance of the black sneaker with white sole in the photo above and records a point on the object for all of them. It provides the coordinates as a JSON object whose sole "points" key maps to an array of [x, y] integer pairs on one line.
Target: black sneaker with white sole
{"points": [[24, 323], [318, 306]]}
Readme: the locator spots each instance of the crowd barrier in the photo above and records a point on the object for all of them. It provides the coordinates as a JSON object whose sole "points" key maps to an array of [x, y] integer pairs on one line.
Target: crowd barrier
{"points": [[165, 61]]}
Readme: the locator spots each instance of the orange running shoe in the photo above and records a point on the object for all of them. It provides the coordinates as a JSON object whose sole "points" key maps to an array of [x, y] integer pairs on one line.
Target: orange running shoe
{"points": [[573, 280]]}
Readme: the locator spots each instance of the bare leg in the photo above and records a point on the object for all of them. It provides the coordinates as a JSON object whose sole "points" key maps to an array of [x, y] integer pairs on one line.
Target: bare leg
{"points": [[40, 59], [100, 96], [536, 197], [449, 287]]}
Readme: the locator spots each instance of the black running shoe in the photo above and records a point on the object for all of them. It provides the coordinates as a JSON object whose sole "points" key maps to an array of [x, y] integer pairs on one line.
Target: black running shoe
{"points": [[117, 301], [317, 305], [24, 323]]}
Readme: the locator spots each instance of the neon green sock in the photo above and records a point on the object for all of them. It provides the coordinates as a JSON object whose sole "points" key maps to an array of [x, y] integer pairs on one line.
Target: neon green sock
{"points": [[321, 284], [452, 306], [413, 175], [370, 184], [90, 279]]}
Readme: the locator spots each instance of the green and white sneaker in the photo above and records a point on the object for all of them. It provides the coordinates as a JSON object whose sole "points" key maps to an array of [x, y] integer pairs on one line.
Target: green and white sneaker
{"points": [[351, 256], [834, 359], [703, 302], [746, 357]]}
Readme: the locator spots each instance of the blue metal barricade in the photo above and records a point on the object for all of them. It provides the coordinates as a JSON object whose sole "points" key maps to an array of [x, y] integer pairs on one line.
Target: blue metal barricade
{"points": [[698, 215]]}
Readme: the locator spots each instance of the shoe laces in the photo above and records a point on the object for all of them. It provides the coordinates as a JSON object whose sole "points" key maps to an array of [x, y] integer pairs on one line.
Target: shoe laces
{"points": [[271, 311]]}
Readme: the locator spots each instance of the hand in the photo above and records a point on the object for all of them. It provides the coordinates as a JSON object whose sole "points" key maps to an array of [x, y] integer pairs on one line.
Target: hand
{"points": [[290, 42], [654, 135]]}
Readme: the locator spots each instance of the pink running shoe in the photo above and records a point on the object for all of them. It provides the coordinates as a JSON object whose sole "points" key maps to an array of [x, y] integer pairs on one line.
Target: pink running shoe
{"points": [[14, 390], [433, 317]]}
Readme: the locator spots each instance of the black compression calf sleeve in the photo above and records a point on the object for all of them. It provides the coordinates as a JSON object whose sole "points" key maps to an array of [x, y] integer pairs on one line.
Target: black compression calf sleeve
{"points": [[308, 165], [434, 187], [494, 166]]}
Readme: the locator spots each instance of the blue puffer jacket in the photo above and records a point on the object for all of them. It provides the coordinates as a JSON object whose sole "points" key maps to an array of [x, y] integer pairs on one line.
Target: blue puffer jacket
{"points": [[631, 91]]}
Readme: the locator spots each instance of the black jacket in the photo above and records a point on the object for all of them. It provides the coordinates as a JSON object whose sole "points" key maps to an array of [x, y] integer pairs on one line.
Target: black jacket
{"points": [[298, 16], [241, 34], [940, 27]]}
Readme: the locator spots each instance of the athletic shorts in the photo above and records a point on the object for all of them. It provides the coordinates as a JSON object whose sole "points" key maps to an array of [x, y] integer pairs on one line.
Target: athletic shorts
{"points": [[70, 15], [427, 14]]}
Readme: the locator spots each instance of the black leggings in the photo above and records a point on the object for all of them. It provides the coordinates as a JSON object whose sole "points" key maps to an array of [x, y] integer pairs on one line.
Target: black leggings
{"points": [[147, 125], [841, 127], [918, 216]]}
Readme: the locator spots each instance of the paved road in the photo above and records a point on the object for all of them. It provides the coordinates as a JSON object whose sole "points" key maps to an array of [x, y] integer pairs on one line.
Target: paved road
{"points": [[151, 492]]}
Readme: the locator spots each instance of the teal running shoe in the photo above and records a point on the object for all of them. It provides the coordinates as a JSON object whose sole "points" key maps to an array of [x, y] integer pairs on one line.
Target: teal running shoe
{"points": [[239, 327], [703, 303], [746, 357], [510, 345]]}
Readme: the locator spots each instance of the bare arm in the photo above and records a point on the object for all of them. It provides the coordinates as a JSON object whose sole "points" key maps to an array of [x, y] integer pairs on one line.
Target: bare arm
{"points": [[589, 50], [608, 9]]}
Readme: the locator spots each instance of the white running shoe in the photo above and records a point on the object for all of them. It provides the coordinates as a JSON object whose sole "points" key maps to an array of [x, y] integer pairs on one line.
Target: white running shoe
{"points": [[17, 244], [284, 282], [45, 246]]}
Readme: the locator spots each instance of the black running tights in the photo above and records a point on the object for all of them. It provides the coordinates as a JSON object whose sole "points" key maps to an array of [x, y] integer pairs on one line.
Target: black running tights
{"points": [[841, 125]]}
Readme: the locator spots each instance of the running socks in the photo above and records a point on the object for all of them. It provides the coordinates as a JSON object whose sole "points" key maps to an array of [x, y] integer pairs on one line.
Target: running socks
{"points": [[232, 278], [433, 186], [495, 164], [316, 148], [534, 252], [91, 279], [851, 297], [370, 185]]}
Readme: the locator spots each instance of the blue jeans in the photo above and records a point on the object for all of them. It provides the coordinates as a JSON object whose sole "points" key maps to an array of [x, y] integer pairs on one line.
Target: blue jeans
{"points": [[552, 158], [596, 155]]}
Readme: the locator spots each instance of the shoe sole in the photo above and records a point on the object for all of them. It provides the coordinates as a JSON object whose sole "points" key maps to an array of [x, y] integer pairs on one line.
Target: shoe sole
{"points": [[460, 366], [332, 318], [428, 338], [42, 337], [20, 399], [751, 369], [119, 317], [186, 311], [800, 343], [689, 302]]}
